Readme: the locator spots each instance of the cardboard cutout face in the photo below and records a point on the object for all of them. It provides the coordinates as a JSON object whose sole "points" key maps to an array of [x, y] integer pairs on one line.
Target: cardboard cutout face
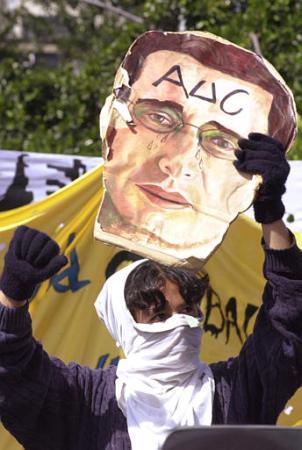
{"points": [[169, 132]]}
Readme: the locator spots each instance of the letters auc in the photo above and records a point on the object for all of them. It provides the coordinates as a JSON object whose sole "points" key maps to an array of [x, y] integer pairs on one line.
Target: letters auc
{"points": [[193, 93]]}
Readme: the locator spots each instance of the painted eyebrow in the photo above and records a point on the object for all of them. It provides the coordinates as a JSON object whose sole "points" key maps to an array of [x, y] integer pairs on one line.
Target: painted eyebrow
{"points": [[162, 103], [222, 128]]}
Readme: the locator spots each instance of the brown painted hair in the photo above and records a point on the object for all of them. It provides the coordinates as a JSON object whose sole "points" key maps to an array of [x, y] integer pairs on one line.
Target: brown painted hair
{"points": [[226, 58]]}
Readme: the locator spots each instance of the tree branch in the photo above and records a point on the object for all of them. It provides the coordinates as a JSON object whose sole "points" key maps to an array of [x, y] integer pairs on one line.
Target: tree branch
{"points": [[115, 10], [255, 43]]}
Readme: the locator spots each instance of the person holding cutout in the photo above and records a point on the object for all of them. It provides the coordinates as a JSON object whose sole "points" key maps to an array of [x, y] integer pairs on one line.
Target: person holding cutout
{"points": [[153, 312]]}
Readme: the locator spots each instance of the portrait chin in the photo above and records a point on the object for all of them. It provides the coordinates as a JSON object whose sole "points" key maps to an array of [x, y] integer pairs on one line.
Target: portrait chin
{"points": [[146, 221], [177, 229]]}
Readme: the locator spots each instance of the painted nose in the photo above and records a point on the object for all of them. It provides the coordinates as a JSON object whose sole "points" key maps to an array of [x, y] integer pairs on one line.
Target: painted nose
{"points": [[183, 158], [182, 164], [175, 167]]}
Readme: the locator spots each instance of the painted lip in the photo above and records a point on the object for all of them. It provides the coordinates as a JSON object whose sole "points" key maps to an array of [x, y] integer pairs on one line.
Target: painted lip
{"points": [[160, 197]]}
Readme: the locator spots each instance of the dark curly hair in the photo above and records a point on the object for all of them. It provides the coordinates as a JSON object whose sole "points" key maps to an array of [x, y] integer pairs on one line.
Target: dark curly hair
{"points": [[143, 286]]}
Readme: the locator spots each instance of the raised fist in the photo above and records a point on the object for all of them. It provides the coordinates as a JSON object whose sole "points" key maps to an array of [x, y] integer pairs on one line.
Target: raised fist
{"points": [[32, 257]]}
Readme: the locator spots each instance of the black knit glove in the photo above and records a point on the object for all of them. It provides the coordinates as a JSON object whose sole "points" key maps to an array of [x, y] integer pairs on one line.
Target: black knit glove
{"points": [[32, 257], [263, 155]]}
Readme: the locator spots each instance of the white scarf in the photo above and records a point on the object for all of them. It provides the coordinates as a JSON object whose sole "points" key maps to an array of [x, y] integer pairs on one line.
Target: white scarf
{"points": [[161, 384]]}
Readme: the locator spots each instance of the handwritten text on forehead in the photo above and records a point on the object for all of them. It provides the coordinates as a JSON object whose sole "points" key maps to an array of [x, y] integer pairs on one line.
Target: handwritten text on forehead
{"points": [[194, 91]]}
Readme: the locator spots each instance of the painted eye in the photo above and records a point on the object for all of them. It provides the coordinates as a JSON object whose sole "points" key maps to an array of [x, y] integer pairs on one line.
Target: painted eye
{"points": [[215, 140], [223, 143], [160, 119]]}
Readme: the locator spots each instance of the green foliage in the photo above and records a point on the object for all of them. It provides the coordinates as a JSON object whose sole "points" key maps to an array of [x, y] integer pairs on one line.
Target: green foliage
{"points": [[49, 111], [56, 109]]}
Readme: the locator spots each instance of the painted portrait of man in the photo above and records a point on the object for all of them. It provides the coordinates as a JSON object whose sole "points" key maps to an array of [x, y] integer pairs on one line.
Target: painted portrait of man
{"points": [[170, 129]]}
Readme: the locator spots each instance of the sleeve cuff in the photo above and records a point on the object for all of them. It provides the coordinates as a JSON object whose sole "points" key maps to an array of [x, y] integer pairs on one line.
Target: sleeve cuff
{"points": [[287, 262], [14, 319]]}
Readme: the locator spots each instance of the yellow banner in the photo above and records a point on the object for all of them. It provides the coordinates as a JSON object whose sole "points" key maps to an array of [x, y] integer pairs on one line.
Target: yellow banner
{"points": [[64, 317]]}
